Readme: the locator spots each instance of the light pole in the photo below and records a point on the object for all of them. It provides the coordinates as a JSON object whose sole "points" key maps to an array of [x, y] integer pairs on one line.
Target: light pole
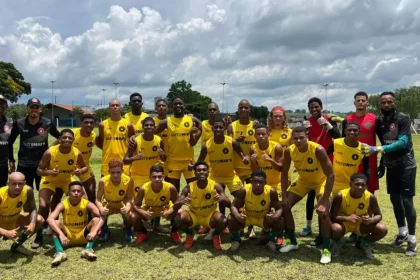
{"points": [[115, 92], [223, 96], [103, 95], [326, 97], [52, 101]]}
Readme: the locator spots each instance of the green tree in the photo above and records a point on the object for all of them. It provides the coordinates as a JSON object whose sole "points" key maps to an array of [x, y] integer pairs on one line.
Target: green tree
{"points": [[195, 103], [101, 114], [373, 106], [12, 82], [77, 113], [259, 113], [16, 111]]}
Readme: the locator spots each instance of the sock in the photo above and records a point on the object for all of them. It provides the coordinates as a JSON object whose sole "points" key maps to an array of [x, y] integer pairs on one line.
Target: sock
{"points": [[273, 236], [188, 231], [57, 244], [89, 245], [411, 238], [402, 231], [39, 236], [22, 238], [340, 242], [367, 242], [236, 236], [326, 241], [320, 228], [292, 236], [128, 230], [156, 222], [217, 232], [309, 223], [105, 226]]}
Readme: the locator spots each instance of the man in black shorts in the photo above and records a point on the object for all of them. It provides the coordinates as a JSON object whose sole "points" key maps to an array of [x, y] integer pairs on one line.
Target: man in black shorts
{"points": [[33, 130], [393, 130], [5, 129]]}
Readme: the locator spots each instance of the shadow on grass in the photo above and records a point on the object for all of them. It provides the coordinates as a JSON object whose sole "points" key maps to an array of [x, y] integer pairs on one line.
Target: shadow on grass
{"points": [[9, 259]]}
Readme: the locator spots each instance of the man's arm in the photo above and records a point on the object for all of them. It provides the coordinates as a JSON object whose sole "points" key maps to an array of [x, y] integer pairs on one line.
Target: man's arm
{"points": [[326, 166], [43, 165], [366, 168], [182, 198], [81, 163], [129, 156], [275, 203], [54, 216], [161, 126], [101, 136], [343, 127], [222, 197], [138, 201], [336, 204], [229, 130], [330, 149], [238, 149], [404, 128], [100, 195], [238, 203], [94, 211], [277, 162], [195, 132], [285, 173], [129, 195], [130, 130], [32, 206], [374, 207], [54, 131], [334, 132], [253, 159], [162, 154], [12, 138], [203, 153]]}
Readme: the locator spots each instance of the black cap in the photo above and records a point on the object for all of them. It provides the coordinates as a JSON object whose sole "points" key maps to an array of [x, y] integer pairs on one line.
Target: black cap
{"points": [[33, 101]]}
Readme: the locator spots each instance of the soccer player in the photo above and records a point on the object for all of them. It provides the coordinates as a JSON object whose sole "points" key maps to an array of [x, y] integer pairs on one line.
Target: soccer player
{"points": [[207, 125], [183, 133], [115, 193], [6, 125], [267, 156], [15, 224], [84, 140], [33, 131], [321, 130], [161, 108], [136, 116], [74, 229], [202, 197], [56, 167], [255, 200], [114, 134], [367, 135], [314, 173], [398, 158], [154, 199], [349, 213]]}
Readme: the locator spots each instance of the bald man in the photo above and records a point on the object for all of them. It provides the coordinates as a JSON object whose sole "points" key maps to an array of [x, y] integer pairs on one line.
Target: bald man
{"points": [[15, 224], [114, 134]]}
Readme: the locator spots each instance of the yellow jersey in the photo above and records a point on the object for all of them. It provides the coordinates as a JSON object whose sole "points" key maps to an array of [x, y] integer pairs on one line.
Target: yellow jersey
{"points": [[257, 206], [220, 158], [157, 200], [114, 194], [149, 149], [115, 140], [84, 144], [179, 130], [346, 162], [202, 201], [281, 136], [273, 176], [207, 131], [75, 218], [356, 206], [163, 134], [247, 131], [11, 207], [307, 165], [66, 165], [137, 121]]}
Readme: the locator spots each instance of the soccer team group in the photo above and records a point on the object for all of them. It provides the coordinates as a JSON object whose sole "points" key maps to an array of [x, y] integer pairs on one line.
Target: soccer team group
{"points": [[143, 159]]}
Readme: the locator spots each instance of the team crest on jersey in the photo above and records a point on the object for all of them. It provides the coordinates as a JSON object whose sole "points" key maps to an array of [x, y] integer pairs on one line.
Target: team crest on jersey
{"points": [[80, 213], [225, 151], [162, 198], [90, 144], [121, 192], [187, 124], [250, 132], [154, 148], [6, 128], [263, 202], [310, 160], [136, 189], [392, 126], [70, 162], [121, 128], [355, 157], [361, 206], [40, 130], [368, 125], [19, 204], [207, 196], [283, 136]]}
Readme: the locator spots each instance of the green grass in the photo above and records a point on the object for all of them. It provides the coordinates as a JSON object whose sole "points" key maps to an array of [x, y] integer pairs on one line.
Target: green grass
{"points": [[157, 258]]}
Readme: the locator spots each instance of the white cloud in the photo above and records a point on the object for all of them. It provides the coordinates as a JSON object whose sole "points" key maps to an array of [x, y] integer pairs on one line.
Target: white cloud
{"points": [[216, 14]]}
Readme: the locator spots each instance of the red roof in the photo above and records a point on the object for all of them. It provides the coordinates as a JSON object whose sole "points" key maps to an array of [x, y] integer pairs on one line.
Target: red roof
{"points": [[69, 108]]}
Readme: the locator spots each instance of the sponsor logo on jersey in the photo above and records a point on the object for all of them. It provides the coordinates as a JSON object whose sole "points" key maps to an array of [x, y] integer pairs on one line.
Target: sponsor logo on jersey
{"points": [[392, 126], [41, 130]]}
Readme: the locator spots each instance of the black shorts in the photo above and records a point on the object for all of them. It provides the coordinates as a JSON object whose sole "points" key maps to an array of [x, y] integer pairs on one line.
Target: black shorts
{"points": [[30, 175], [4, 175], [400, 180]]}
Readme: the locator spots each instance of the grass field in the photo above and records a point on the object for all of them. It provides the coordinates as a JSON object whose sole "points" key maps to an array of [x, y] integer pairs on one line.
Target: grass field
{"points": [[157, 258]]}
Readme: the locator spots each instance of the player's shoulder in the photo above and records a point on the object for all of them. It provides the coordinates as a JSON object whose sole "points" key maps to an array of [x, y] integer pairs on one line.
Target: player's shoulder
{"points": [[402, 117], [45, 121]]}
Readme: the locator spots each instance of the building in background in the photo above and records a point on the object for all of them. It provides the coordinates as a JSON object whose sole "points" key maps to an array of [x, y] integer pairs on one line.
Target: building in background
{"points": [[63, 114]]}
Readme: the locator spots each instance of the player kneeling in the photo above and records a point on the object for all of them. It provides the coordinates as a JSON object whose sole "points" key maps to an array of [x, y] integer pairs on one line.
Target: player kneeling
{"points": [[74, 229], [114, 197], [12, 219], [349, 213], [154, 199], [255, 200], [202, 197]]}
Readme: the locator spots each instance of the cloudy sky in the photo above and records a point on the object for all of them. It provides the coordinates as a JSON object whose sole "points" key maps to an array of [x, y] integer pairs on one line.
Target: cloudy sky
{"points": [[268, 51]]}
